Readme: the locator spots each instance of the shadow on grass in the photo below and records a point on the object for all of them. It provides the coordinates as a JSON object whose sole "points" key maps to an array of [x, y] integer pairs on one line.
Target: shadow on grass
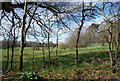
{"points": [[64, 61]]}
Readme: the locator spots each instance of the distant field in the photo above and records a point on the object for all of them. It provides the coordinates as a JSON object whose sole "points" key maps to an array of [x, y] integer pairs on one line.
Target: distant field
{"points": [[91, 59]]}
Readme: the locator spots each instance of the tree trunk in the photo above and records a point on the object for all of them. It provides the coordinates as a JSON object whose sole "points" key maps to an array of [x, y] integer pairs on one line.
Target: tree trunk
{"points": [[57, 45], [112, 61], [49, 47], [7, 54], [13, 44], [78, 35], [12, 57], [12, 52], [111, 56], [76, 49], [20, 64], [116, 50], [33, 58], [43, 51]]}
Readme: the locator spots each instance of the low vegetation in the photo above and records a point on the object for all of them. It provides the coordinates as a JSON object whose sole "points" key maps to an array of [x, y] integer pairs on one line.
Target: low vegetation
{"points": [[93, 63]]}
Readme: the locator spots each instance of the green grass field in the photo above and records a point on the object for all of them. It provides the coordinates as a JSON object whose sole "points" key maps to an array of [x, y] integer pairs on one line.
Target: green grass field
{"points": [[93, 63]]}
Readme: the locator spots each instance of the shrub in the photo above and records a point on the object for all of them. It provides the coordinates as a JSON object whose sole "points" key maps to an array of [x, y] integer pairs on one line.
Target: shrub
{"points": [[30, 76]]}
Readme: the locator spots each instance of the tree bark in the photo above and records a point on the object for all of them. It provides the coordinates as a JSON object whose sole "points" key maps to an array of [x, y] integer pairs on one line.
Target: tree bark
{"points": [[43, 51], [13, 44], [117, 49], [111, 55], [20, 64], [49, 47], [78, 35], [33, 58], [76, 49], [57, 45], [23, 33], [7, 54], [112, 61], [12, 57]]}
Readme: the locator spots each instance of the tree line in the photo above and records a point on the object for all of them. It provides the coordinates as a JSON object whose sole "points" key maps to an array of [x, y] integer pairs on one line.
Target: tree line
{"points": [[28, 44]]}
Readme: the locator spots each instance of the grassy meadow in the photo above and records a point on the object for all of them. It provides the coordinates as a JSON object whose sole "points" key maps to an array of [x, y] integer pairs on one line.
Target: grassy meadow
{"points": [[93, 63]]}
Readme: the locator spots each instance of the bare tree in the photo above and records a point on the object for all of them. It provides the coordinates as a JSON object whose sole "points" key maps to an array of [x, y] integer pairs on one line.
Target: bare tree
{"points": [[78, 34], [15, 29], [6, 35], [23, 34], [34, 46], [110, 31], [80, 22], [43, 52]]}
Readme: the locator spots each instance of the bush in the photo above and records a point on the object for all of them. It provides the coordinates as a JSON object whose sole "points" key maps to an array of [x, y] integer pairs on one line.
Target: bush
{"points": [[62, 45], [30, 76]]}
